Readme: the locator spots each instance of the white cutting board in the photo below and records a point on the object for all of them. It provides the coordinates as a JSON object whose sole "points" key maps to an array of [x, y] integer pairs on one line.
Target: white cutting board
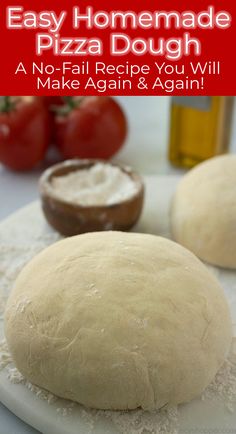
{"points": [[19, 235]]}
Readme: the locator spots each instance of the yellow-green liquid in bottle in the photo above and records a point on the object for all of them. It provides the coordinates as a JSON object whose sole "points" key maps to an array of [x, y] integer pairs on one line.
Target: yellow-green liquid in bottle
{"points": [[200, 128]]}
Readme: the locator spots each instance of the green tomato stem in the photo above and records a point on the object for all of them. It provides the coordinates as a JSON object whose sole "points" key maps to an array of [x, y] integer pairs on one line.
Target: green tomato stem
{"points": [[70, 104], [6, 104]]}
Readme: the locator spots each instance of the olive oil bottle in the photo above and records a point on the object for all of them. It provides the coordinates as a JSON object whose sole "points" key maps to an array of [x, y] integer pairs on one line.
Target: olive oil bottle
{"points": [[200, 127]]}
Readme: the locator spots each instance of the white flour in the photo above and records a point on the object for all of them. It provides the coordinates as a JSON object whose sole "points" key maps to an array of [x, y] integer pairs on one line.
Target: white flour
{"points": [[14, 257], [102, 184], [164, 421]]}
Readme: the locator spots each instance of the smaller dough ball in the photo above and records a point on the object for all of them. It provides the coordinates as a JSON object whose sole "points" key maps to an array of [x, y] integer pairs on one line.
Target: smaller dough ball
{"points": [[203, 212]]}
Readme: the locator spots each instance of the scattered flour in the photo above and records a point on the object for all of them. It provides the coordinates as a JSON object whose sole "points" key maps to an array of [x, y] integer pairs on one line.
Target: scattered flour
{"points": [[101, 184], [165, 421], [223, 386], [14, 257]]}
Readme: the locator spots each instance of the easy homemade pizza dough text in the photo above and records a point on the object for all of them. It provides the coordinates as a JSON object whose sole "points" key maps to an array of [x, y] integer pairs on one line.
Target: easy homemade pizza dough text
{"points": [[118, 321]]}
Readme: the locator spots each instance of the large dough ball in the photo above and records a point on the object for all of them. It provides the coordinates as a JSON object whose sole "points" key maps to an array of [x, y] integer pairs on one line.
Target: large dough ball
{"points": [[203, 212], [118, 321]]}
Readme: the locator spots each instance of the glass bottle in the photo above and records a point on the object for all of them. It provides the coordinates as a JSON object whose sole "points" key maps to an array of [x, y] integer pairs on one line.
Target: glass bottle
{"points": [[200, 128]]}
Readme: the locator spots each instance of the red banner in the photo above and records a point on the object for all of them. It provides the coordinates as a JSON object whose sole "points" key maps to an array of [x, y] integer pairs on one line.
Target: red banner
{"points": [[126, 48]]}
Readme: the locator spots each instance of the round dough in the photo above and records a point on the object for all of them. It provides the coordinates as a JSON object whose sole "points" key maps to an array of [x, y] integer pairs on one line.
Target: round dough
{"points": [[203, 213], [118, 321]]}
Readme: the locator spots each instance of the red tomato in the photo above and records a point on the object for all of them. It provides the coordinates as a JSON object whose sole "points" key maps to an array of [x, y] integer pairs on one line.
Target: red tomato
{"points": [[51, 102], [96, 128], [24, 133]]}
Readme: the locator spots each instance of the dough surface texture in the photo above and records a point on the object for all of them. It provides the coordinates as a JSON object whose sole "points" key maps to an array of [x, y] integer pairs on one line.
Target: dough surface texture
{"points": [[118, 320], [203, 212]]}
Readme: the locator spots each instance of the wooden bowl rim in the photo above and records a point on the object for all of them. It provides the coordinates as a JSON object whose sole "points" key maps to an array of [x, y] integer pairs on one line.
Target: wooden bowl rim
{"points": [[75, 164]]}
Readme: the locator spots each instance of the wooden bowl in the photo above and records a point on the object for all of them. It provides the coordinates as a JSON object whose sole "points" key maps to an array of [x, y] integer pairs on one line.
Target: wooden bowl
{"points": [[72, 219]]}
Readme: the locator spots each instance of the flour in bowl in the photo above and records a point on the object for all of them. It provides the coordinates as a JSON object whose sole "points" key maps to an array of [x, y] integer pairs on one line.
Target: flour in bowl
{"points": [[101, 184]]}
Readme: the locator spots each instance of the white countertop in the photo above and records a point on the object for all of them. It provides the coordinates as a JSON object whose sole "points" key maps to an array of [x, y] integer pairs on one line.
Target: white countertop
{"points": [[145, 150]]}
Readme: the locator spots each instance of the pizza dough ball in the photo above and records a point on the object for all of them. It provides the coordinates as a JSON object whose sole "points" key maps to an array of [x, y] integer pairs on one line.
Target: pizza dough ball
{"points": [[118, 321], [203, 212]]}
